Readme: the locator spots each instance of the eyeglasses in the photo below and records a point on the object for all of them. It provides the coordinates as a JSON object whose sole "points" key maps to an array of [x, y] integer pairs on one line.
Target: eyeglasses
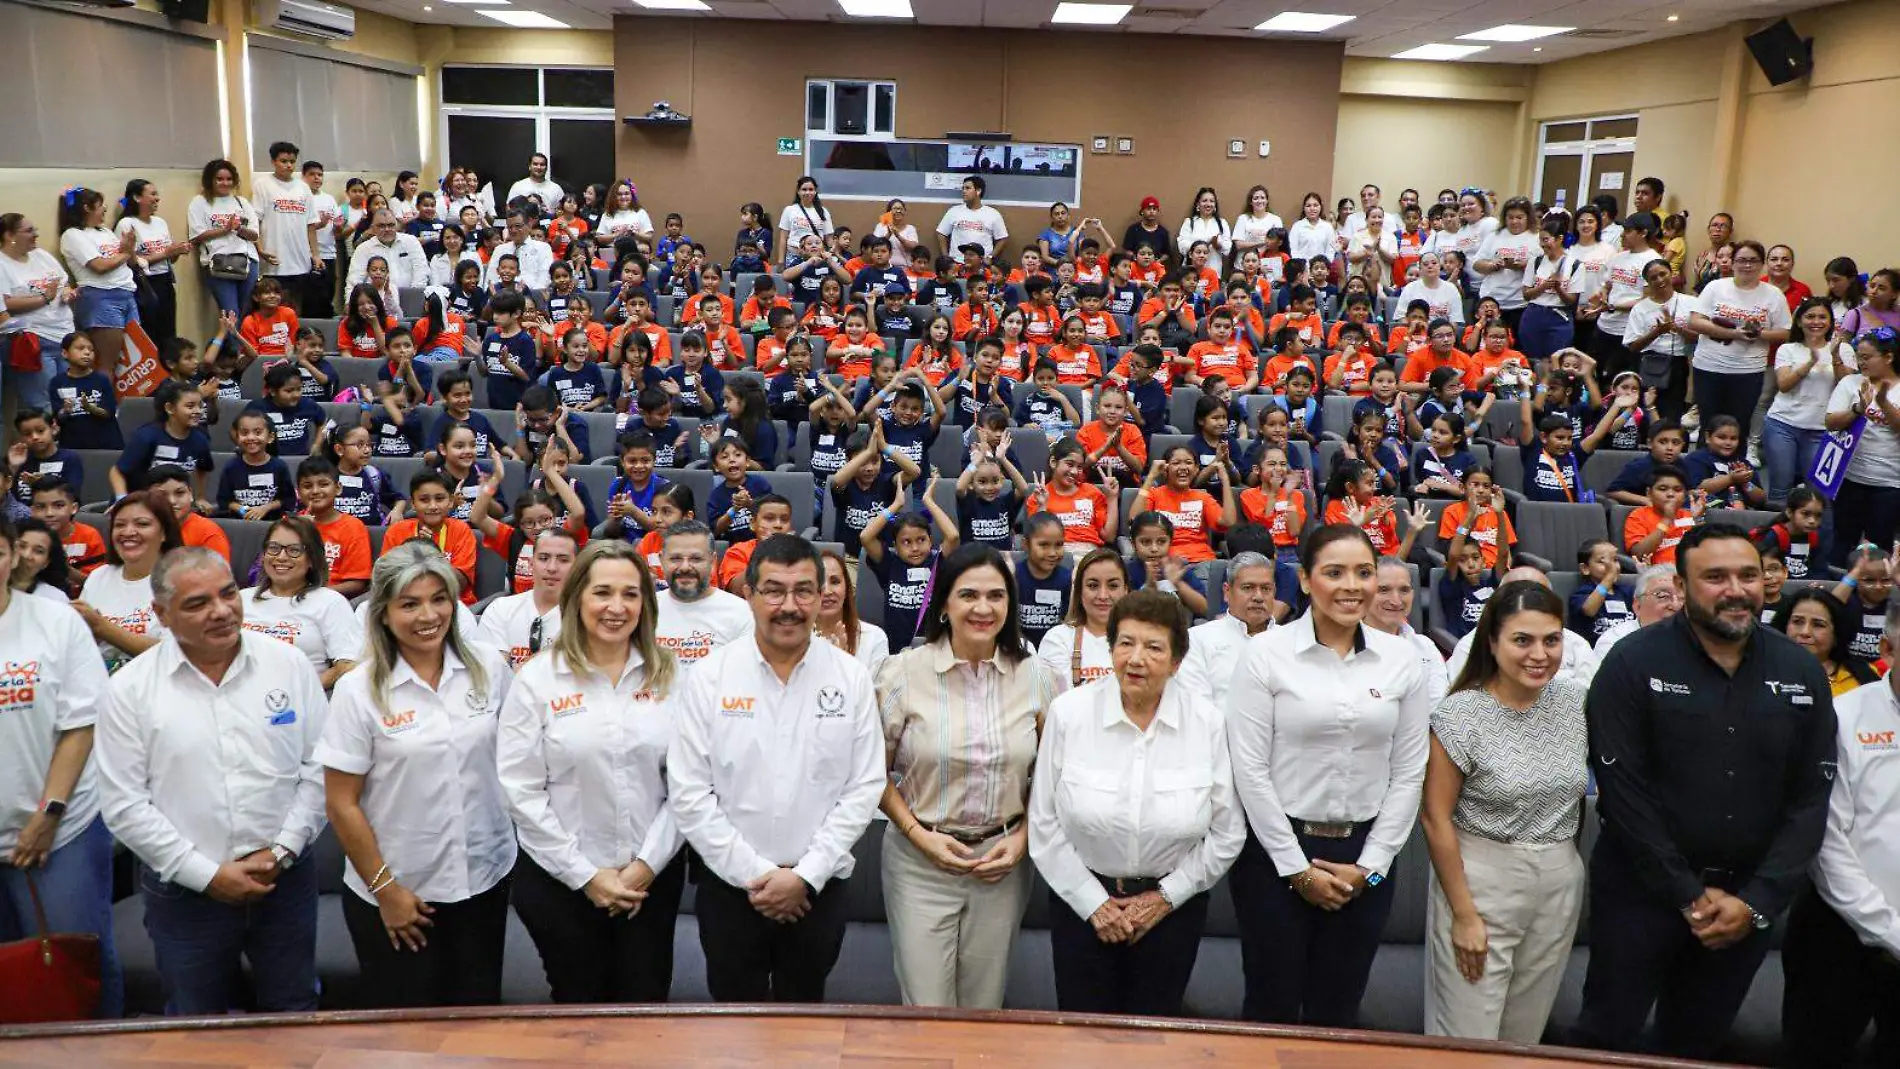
{"points": [[775, 595], [280, 549]]}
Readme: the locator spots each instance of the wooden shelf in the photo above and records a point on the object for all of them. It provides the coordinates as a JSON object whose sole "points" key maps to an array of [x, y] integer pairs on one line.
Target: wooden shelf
{"points": [[675, 122]]}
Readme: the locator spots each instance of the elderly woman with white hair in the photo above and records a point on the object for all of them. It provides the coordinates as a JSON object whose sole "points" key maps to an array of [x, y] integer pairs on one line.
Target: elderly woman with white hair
{"points": [[410, 780]]}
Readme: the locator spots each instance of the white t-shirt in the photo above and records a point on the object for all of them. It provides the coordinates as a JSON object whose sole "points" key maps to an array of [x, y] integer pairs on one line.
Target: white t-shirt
{"points": [[125, 602], [1595, 260], [797, 221], [320, 623], [403, 210], [874, 647], [1445, 300], [614, 225], [323, 209], [1624, 277], [1306, 240], [41, 273], [1220, 239], [1648, 313], [151, 238], [900, 256], [693, 629], [1805, 406], [1565, 268], [508, 625], [1506, 284], [50, 682], [1251, 231], [1876, 460], [1057, 651], [549, 191], [287, 218], [80, 246], [1468, 240], [963, 225], [205, 215], [1763, 305]]}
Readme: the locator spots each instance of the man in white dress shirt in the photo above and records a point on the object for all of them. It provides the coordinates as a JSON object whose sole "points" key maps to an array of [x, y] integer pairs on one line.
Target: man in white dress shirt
{"points": [[1355, 223], [206, 760], [695, 617], [1658, 596], [537, 185], [535, 259], [775, 770], [1580, 660], [1392, 613], [522, 625], [1214, 647], [1841, 955], [408, 264]]}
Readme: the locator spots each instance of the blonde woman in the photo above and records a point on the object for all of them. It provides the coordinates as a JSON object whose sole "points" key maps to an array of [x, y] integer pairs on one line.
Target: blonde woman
{"points": [[409, 778], [837, 621], [582, 756]]}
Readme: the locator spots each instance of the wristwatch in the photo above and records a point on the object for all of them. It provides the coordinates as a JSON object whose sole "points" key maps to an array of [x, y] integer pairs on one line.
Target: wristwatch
{"points": [[54, 807], [1759, 920], [283, 856]]}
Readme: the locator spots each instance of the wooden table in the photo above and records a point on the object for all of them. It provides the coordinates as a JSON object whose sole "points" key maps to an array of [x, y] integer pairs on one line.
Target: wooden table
{"points": [[740, 1037]]}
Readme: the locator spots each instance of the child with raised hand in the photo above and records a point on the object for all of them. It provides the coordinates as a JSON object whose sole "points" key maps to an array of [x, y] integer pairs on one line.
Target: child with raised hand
{"points": [[909, 567], [1196, 516], [989, 491], [535, 511], [255, 484], [1603, 599], [1480, 517], [1279, 506], [1352, 496], [1465, 586]]}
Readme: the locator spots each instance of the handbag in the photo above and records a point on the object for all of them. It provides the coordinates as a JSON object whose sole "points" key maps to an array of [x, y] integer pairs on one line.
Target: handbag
{"points": [[24, 353], [48, 977], [230, 266]]}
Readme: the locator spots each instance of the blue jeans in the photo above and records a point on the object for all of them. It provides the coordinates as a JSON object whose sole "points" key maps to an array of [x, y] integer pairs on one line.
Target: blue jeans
{"points": [[198, 941], [233, 295], [76, 888], [31, 389], [106, 309], [1787, 453], [1543, 331], [442, 355]]}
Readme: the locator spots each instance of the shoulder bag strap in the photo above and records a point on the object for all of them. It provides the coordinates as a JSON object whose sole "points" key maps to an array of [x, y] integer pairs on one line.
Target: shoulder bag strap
{"points": [[1075, 659]]}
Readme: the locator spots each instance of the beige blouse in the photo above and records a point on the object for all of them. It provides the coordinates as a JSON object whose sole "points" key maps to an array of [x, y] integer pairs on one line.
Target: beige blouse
{"points": [[962, 737]]}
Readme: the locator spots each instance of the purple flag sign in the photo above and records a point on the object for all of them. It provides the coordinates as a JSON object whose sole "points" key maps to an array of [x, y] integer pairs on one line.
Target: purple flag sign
{"points": [[1830, 461]]}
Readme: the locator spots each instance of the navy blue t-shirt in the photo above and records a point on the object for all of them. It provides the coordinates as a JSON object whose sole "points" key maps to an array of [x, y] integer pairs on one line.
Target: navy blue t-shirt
{"points": [[786, 402], [973, 397], [1151, 403], [630, 528], [486, 440], [853, 506], [719, 502], [764, 444], [1546, 477], [870, 283], [389, 438], [385, 372], [64, 463], [687, 402], [1460, 602], [152, 445], [989, 523], [504, 389], [319, 391], [576, 389], [914, 442], [242, 487], [79, 429], [665, 437], [1394, 415], [1429, 465], [1041, 603], [1618, 607], [296, 426], [906, 592], [368, 495]]}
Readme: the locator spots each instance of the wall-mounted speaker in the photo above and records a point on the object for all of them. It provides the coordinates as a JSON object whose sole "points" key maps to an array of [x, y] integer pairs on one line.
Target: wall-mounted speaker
{"points": [[1783, 54], [850, 108], [187, 10]]}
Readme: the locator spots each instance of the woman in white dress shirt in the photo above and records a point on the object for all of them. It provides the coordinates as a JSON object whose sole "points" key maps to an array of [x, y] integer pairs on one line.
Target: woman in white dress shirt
{"points": [[1327, 720], [1251, 226], [116, 601], [1311, 236], [293, 602], [582, 756], [410, 784], [837, 621], [1132, 817], [1205, 224], [1076, 650], [1503, 798]]}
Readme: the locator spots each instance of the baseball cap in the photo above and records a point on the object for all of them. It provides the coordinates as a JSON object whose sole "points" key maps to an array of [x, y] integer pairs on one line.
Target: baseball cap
{"points": [[1150, 202], [1644, 221]]}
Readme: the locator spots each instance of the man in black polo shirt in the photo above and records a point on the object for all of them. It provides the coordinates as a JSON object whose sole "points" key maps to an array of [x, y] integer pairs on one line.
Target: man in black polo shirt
{"points": [[1712, 739]]}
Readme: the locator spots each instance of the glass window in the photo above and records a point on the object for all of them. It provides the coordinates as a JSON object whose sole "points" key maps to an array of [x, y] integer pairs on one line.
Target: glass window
{"points": [[578, 88], [884, 108], [1565, 131], [1605, 128], [817, 101], [491, 85]]}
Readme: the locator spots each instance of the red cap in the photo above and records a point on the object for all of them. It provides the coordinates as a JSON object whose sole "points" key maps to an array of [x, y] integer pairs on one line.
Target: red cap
{"points": [[1150, 202]]}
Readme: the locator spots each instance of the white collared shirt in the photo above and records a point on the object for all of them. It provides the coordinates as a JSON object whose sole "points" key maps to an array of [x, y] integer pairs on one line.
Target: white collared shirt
{"points": [[195, 773], [1213, 650], [534, 258], [583, 766], [1858, 868], [1057, 652], [51, 682], [430, 791], [1112, 799], [694, 629], [408, 263], [1320, 738], [765, 774], [874, 647], [465, 623], [1579, 665], [508, 625]]}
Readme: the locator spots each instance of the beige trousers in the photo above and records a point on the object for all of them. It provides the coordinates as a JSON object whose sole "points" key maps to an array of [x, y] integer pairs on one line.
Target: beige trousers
{"points": [[1530, 897], [951, 935]]}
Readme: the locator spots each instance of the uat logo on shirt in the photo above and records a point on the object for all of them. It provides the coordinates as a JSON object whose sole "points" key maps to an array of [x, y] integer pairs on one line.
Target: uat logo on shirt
{"points": [[396, 722], [567, 705], [736, 704]]}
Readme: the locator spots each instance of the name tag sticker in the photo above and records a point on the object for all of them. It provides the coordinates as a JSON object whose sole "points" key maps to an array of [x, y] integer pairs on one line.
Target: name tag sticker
{"points": [[1048, 597], [917, 575], [284, 718], [1611, 605], [1801, 699], [265, 479]]}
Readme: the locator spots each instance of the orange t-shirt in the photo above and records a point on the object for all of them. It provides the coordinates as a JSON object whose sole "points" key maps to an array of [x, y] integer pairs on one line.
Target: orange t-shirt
{"points": [[1419, 367], [769, 355], [857, 367], [1206, 283], [272, 334], [199, 531], [656, 334], [1358, 376], [1150, 275], [969, 324], [1405, 342], [85, 548], [649, 549], [1017, 360], [1124, 372], [1373, 336], [1231, 361], [752, 310], [1284, 516], [1154, 308], [1312, 329], [1075, 367], [733, 565], [1384, 532], [823, 320], [1041, 324], [1246, 315], [935, 366], [1101, 326], [1485, 362], [345, 547], [1084, 514], [1474, 341], [364, 344], [454, 334], [690, 313], [1484, 530], [456, 539], [1091, 269], [1195, 515], [726, 349], [1645, 520], [1274, 376], [1094, 435]]}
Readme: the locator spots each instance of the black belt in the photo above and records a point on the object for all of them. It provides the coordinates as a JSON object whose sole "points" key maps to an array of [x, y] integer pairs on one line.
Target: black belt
{"points": [[1128, 886], [970, 837], [1328, 829]]}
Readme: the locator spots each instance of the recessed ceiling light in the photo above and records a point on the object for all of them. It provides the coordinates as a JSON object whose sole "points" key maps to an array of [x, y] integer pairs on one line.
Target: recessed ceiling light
{"points": [[877, 9], [1538, 49], [1514, 33], [1302, 22], [1091, 14], [1440, 51], [673, 5], [1673, 18], [426, 7], [526, 20]]}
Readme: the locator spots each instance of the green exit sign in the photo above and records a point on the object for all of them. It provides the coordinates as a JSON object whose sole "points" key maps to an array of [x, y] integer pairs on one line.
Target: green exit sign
{"points": [[788, 146]]}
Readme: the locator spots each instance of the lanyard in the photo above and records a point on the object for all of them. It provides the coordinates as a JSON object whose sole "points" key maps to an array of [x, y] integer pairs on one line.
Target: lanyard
{"points": [[1562, 479]]}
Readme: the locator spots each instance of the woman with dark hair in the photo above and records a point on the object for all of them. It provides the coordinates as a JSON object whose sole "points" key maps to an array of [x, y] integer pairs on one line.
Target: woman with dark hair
{"points": [[40, 567], [102, 263], [116, 601], [1880, 305], [1204, 223], [224, 227], [1503, 800], [1592, 255], [1501, 260], [1818, 623], [1251, 226], [1133, 816], [1331, 792], [292, 601], [1741, 320], [146, 233], [805, 215], [38, 297], [1846, 288], [593, 204], [623, 217], [837, 620], [403, 203], [1868, 504], [1311, 237], [962, 714], [1546, 323], [1806, 367]]}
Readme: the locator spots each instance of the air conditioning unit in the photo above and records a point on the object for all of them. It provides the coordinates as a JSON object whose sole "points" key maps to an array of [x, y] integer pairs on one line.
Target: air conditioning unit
{"points": [[311, 18], [97, 3]]}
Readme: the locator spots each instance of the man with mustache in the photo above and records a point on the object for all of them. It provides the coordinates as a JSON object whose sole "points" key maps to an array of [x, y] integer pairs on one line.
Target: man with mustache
{"points": [[1712, 739], [776, 767], [695, 617]]}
